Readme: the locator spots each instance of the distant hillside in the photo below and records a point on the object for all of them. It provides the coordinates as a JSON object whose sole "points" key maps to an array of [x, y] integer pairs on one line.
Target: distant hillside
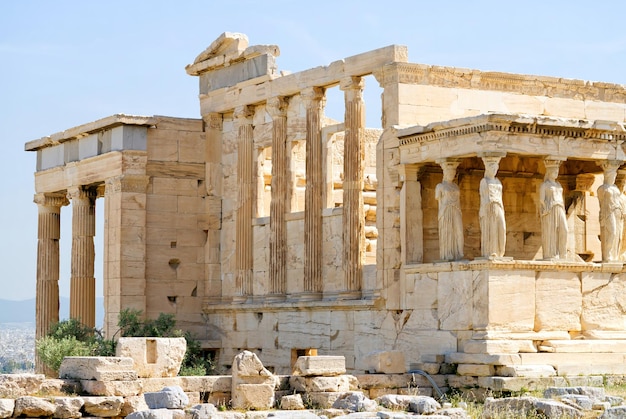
{"points": [[24, 311]]}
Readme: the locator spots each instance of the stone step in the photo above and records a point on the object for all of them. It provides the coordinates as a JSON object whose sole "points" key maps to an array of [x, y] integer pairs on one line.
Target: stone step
{"points": [[584, 345]]}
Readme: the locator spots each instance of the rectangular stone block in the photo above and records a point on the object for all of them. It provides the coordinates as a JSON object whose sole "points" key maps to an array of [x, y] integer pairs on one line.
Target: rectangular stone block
{"points": [[253, 396], [321, 400], [564, 312], [386, 362], [454, 297], [318, 384], [111, 388], [326, 366], [98, 368], [534, 371], [475, 370], [498, 346], [504, 300], [463, 358]]}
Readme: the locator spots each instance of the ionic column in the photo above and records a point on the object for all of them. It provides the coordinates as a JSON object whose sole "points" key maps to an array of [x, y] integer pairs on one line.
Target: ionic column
{"points": [[314, 192], [277, 108], [245, 184], [353, 156], [82, 282], [48, 236]]}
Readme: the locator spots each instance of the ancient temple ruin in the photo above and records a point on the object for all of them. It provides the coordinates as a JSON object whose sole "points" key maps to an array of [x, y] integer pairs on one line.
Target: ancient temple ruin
{"points": [[268, 226]]}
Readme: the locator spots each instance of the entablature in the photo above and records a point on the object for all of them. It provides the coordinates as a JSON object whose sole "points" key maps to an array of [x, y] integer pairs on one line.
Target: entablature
{"points": [[524, 135]]}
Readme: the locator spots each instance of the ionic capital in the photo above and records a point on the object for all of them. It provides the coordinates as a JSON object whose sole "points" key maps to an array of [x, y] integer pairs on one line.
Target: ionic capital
{"points": [[82, 194], [311, 95], [352, 83], [243, 115], [277, 106], [50, 200], [213, 120]]}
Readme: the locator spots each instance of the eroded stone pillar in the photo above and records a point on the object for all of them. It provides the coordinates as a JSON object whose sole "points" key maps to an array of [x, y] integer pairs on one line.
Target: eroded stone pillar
{"points": [[82, 280], [48, 236], [277, 108], [245, 183], [353, 156], [213, 201], [411, 214], [314, 193], [124, 274]]}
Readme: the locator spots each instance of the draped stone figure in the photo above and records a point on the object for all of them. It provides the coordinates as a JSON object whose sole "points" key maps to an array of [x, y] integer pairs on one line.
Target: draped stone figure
{"points": [[491, 213], [552, 214], [448, 195], [612, 212]]}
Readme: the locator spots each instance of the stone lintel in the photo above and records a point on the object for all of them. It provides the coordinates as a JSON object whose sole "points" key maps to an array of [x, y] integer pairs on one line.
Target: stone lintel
{"points": [[89, 128]]}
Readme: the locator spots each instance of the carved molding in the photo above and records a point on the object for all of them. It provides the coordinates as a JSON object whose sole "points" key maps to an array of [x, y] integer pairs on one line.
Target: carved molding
{"points": [[514, 128]]}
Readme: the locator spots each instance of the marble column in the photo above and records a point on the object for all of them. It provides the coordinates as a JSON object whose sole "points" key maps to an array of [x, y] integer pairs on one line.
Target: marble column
{"points": [[48, 236], [611, 212], [277, 108], [353, 213], [314, 192], [82, 281], [245, 184], [491, 213]]}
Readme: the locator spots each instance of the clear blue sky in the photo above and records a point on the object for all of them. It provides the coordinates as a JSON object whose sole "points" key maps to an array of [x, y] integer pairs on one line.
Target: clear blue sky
{"points": [[65, 63]]}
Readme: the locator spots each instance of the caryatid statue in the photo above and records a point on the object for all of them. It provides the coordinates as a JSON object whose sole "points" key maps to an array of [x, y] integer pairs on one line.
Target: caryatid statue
{"points": [[612, 213], [552, 213], [491, 213], [450, 219]]}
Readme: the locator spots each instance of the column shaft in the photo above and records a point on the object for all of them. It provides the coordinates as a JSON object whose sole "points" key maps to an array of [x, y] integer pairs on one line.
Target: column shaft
{"points": [[48, 236], [314, 193], [353, 214], [245, 180], [83, 282], [277, 107]]}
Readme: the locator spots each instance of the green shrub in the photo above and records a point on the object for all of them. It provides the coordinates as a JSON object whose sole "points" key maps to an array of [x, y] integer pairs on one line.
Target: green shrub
{"points": [[72, 338], [52, 350]]}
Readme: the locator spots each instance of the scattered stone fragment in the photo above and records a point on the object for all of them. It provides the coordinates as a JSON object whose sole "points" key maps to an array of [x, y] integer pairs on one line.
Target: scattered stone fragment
{"points": [[356, 402], [33, 407], [555, 409], [291, 402], [6, 408], [68, 407], [452, 413], [617, 412], [158, 414], [577, 400], [107, 406], [172, 397], [202, 411], [519, 406], [424, 405]]}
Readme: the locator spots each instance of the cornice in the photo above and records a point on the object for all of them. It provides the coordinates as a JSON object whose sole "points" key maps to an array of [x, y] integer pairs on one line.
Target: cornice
{"points": [[513, 124]]}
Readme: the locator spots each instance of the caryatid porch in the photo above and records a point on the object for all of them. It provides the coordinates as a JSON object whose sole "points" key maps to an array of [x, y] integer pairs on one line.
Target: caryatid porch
{"points": [[524, 296]]}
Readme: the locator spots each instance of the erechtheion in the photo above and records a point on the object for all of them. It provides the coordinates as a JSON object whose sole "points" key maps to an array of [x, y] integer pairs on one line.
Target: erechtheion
{"points": [[268, 226]]}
